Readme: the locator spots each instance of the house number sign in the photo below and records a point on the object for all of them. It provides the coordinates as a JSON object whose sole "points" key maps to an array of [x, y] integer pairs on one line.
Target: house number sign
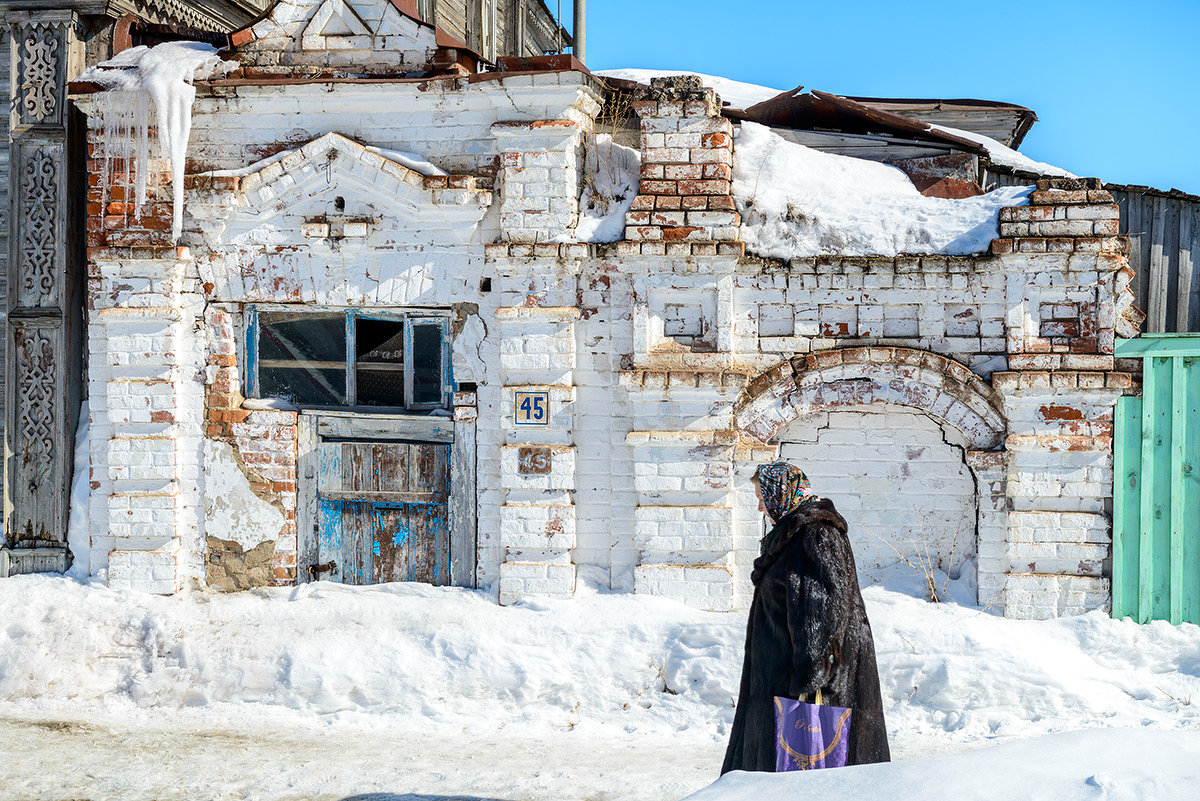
{"points": [[531, 408], [533, 461]]}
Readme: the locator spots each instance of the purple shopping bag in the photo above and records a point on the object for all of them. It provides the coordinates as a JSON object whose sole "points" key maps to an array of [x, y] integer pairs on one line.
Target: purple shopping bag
{"points": [[810, 736]]}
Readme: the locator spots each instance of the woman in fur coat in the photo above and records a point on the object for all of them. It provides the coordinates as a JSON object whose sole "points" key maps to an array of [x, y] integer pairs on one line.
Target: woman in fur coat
{"points": [[808, 628]]}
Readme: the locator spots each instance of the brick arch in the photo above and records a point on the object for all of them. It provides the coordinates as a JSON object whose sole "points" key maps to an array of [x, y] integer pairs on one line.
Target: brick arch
{"points": [[941, 387]]}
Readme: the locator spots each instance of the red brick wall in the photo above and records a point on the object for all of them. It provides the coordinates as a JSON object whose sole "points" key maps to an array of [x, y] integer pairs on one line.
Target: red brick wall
{"points": [[264, 442]]}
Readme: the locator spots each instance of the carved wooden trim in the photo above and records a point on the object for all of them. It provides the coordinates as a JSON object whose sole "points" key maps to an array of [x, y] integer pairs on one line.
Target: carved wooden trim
{"points": [[37, 488], [38, 284], [39, 67], [46, 50]]}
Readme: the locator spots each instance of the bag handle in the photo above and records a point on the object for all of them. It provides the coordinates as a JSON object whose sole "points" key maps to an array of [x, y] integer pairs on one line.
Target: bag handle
{"points": [[804, 697]]}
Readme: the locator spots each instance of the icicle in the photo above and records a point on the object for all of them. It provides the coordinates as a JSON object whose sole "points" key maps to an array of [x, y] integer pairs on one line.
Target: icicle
{"points": [[134, 80]]}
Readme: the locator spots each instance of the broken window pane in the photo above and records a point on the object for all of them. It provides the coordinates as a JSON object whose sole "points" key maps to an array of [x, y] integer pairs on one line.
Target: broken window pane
{"points": [[427, 370], [302, 357], [379, 361]]}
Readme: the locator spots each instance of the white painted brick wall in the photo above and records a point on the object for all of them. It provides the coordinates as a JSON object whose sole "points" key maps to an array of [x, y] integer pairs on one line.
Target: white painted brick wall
{"points": [[627, 454], [705, 587], [530, 526], [897, 476], [144, 571], [1038, 597], [519, 580], [683, 535]]}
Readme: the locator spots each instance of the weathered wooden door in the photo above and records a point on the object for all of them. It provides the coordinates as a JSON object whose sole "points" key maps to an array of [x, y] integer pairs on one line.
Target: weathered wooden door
{"points": [[383, 512], [1156, 484]]}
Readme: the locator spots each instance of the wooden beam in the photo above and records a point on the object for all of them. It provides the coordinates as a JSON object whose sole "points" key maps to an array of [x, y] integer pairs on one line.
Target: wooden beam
{"points": [[1157, 302], [1175, 487], [464, 539], [1158, 345], [348, 425], [1126, 518], [1146, 499]]}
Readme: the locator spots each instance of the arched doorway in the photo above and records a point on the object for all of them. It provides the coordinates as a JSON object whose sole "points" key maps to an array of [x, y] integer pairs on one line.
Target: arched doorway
{"points": [[902, 440], [899, 478]]}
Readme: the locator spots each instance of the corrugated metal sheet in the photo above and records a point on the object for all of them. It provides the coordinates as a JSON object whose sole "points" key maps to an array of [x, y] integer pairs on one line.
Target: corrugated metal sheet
{"points": [[1156, 484]]}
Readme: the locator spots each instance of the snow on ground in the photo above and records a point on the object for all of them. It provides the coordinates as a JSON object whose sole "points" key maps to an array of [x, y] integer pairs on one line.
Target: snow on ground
{"points": [[611, 180], [1106, 765], [78, 537], [796, 201], [324, 691], [1005, 156], [736, 93]]}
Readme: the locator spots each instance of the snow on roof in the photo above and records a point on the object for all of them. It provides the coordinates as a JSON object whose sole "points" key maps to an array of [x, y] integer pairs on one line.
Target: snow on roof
{"points": [[142, 81], [796, 201], [737, 93], [1004, 156]]}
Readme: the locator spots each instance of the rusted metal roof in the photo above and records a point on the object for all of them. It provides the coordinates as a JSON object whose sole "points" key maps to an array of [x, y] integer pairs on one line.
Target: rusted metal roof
{"points": [[821, 111], [1005, 122]]}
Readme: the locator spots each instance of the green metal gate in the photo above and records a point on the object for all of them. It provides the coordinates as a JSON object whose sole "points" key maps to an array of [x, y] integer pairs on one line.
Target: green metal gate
{"points": [[1156, 484]]}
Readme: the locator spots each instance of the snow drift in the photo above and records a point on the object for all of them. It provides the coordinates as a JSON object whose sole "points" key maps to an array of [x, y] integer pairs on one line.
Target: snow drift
{"points": [[1108, 765], [953, 676], [796, 201], [611, 180]]}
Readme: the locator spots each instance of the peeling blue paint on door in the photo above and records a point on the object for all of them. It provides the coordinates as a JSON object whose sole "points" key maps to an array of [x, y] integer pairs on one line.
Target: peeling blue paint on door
{"points": [[383, 511]]}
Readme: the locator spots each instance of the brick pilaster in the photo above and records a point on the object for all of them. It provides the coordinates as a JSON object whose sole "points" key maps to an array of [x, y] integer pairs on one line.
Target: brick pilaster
{"points": [[687, 167], [1067, 269]]}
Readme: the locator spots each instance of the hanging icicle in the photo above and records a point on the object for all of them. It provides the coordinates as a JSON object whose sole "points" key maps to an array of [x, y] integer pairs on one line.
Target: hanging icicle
{"points": [[149, 93]]}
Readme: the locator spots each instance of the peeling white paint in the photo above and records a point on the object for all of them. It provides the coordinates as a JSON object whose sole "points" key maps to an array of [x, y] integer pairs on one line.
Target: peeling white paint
{"points": [[232, 511], [468, 361]]}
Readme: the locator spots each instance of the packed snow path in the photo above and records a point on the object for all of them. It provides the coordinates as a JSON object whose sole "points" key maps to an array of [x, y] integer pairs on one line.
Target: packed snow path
{"points": [[326, 691], [175, 758]]}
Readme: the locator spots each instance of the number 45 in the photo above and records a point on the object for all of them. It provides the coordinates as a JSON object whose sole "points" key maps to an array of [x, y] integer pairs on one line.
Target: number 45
{"points": [[533, 407]]}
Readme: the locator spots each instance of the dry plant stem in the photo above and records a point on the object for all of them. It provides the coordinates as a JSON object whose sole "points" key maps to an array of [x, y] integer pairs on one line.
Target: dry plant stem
{"points": [[1184, 701], [925, 562]]}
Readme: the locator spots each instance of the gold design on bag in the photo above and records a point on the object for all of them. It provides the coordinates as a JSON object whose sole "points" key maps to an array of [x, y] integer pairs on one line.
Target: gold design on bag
{"points": [[804, 761]]}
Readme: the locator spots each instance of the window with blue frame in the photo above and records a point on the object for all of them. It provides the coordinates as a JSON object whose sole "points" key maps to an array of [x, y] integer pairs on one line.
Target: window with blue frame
{"points": [[351, 358]]}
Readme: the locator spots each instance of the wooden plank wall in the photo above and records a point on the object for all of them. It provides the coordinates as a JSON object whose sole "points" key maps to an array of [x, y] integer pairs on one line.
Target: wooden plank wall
{"points": [[1164, 235], [452, 18], [523, 27], [6, 93]]}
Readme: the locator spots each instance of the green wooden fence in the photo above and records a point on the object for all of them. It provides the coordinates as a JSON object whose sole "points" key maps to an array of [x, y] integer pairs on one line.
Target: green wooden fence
{"points": [[1156, 484]]}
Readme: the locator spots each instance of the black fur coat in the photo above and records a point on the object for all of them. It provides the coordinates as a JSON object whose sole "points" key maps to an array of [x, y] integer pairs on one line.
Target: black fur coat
{"points": [[808, 629]]}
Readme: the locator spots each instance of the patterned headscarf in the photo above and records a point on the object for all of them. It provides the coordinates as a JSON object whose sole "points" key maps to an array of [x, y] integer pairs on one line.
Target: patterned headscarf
{"points": [[785, 488]]}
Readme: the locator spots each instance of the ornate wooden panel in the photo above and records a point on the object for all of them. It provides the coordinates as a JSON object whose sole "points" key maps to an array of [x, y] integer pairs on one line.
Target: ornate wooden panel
{"points": [[41, 73], [41, 370], [37, 481], [39, 261]]}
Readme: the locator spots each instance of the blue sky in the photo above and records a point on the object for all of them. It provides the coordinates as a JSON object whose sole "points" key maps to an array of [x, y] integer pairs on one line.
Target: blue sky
{"points": [[1116, 85]]}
